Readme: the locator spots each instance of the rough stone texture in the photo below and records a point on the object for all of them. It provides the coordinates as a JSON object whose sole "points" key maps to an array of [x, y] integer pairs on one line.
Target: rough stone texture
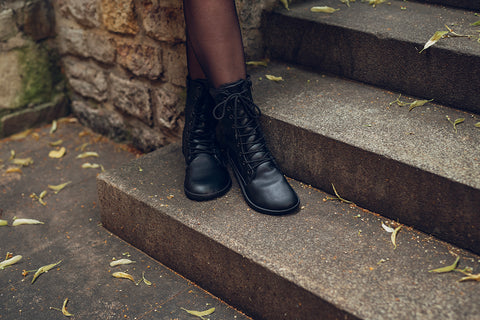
{"points": [[35, 116], [104, 120], [466, 4], [331, 260], [140, 58], [148, 139], [85, 12], [8, 27], [167, 106], [38, 19], [86, 79], [10, 81], [175, 62], [131, 97], [100, 46], [372, 45], [72, 233], [119, 16], [72, 41], [409, 166], [162, 22]]}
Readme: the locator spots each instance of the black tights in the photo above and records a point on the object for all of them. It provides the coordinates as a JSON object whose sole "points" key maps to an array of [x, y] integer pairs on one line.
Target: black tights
{"points": [[214, 41]]}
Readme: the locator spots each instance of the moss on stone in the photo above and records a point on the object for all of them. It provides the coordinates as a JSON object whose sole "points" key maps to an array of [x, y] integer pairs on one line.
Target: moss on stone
{"points": [[41, 75]]}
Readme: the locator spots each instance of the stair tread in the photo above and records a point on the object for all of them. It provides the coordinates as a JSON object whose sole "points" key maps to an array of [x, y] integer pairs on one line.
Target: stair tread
{"points": [[361, 115], [330, 249]]}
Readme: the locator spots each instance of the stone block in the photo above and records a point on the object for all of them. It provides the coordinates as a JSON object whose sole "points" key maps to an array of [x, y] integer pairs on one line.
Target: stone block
{"points": [[163, 23], [85, 12], [175, 63], [147, 139], [131, 97], [119, 16], [167, 106], [103, 120], [10, 81], [86, 78], [72, 41], [8, 26], [141, 59], [38, 19], [100, 47], [31, 117]]}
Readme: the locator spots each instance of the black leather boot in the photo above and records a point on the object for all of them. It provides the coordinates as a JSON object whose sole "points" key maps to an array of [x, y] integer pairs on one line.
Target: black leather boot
{"points": [[206, 176], [263, 185]]}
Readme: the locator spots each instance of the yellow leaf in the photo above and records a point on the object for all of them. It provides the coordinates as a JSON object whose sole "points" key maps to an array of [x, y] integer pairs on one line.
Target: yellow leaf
{"points": [[447, 268], [273, 78], [437, 36], [18, 222], [148, 283], [285, 4], [375, 2], [477, 124], [475, 277], [13, 170], [25, 162], [64, 309], [257, 63], [87, 154], [21, 135], [323, 9], [88, 165], [56, 143], [394, 236], [121, 262], [54, 127], [3, 223], [122, 275], [44, 269], [56, 154], [200, 314], [9, 262], [418, 103], [59, 187]]}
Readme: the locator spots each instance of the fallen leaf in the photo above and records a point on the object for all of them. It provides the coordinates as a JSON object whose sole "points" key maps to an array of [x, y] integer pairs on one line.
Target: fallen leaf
{"points": [[9, 262], [24, 162], [87, 154], [418, 103], [475, 277], [273, 78], [257, 63], [477, 124], [88, 165], [13, 170], [3, 223], [122, 275], [21, 135], [44, 269], [54, 127], [148, 283], [394, 236], [56, 143], [64, 309], [121, 262], [454, 123], [200, 314], [375, 2], [323, 9], [338, 196], [59, 187], [18, 222], [56, 154], [347, 2], [387, 228], [285, 4], [437, 36], [476, 23], [447, 268]]}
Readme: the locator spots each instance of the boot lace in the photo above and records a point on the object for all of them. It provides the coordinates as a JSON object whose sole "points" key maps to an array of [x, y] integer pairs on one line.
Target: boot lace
{"points": [[260, 154]]}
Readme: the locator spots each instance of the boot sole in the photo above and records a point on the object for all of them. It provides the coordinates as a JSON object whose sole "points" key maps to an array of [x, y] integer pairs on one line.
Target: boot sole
{"points": [[206, 197], [255, 207]]}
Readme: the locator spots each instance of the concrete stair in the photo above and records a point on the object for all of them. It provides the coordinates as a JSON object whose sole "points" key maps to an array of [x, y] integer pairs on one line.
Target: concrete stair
{"points": [[333, 260]]}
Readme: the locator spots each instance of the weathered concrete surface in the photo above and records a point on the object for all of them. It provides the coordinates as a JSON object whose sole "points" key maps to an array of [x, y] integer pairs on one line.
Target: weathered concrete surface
{"points": [[329, 261], [72, 233], [410, 166], [381, 46], [466, 4]]}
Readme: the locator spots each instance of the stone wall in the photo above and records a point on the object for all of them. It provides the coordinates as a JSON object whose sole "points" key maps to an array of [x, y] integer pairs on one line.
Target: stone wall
{"points": [[126, 66], [31, 86]]}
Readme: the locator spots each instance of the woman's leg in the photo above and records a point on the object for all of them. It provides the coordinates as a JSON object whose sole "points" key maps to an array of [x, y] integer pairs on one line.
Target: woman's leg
{"points": [[214, 40]]}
